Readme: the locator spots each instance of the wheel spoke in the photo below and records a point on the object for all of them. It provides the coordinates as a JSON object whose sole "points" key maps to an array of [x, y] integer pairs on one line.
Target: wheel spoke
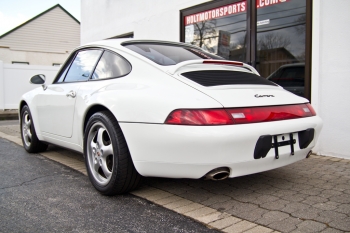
{"points": [[29, 123], [96, 165], [105, 169], [29, 134], [107, 150], [93, 144], [99, 136], [27, 120]]}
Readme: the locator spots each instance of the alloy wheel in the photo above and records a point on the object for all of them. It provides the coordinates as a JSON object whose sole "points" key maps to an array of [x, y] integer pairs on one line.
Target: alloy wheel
{"points": [[26, 129], [100, 153]]}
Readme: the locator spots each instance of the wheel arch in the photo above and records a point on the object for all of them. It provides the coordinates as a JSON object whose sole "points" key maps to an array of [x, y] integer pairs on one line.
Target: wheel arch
{"points": [[21, 105], [91, 111], [98, 108]]}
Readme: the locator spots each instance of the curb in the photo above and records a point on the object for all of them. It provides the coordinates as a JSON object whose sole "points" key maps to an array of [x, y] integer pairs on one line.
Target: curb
{"points": [[8, 115]]}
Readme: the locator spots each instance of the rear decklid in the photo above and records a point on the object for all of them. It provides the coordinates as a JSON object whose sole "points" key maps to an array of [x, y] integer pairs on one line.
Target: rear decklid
{"points": [[231, 83]]}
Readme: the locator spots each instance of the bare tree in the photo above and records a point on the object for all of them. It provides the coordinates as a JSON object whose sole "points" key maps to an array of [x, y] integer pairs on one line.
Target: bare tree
{"points": [[204, 33], [272, 41]]}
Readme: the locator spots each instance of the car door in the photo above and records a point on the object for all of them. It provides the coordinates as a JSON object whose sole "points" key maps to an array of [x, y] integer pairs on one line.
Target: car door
{"points": [[56, 104]]}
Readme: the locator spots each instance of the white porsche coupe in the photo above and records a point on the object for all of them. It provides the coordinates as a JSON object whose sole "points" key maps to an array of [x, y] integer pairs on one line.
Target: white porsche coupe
{"points": [[153, 108]]}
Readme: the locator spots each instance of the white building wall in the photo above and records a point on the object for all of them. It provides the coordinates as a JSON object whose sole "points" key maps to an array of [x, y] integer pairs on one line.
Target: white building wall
{"points": [[331, 75], [14, 81], [155, 19]]}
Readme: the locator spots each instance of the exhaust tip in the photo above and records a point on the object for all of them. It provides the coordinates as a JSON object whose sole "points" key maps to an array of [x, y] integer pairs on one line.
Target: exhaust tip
{"points": [[218, 174]]}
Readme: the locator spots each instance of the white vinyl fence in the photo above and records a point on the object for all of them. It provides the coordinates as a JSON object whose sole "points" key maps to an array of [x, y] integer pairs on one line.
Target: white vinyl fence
{"points": [[14, 81]]}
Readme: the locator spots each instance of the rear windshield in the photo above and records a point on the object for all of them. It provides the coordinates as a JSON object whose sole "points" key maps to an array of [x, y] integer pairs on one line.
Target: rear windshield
{"points": [[168, 54]]}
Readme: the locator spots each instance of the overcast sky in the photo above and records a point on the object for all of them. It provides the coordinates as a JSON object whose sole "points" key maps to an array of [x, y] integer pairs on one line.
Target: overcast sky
{"points": [[16, 12]]}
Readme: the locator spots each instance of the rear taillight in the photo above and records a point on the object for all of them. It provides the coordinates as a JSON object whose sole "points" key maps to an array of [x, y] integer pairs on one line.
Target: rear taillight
{"points": [[239, 115], [199, 117], [313, 112], [270, 113]]}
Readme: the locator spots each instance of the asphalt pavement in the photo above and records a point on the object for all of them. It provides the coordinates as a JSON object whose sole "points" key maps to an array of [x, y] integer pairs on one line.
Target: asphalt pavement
{"points": [[40, 195]]}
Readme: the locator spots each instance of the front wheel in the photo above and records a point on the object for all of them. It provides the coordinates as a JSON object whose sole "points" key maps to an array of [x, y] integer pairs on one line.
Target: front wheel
{"points": [[30, 141], [107, 158]]}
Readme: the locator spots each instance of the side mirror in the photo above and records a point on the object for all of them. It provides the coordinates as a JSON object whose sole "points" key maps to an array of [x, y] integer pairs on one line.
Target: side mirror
{"points": [[38, 79]]}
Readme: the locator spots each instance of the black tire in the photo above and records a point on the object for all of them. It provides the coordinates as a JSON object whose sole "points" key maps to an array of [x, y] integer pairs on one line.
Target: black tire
{"points": [[30, 141], [107, 157]]}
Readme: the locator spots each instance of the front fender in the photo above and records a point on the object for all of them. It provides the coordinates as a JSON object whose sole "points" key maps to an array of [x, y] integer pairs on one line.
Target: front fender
{"points": [[27, 99]]}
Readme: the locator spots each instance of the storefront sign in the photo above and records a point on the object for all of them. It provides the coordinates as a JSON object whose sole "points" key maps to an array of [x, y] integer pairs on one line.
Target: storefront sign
{"points": [[263, 22], [189, 33], [230, 9], [224, 44]]}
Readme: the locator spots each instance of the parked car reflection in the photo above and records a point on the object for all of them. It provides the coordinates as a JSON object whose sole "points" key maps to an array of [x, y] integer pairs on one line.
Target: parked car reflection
{"points": [[290, 77]]}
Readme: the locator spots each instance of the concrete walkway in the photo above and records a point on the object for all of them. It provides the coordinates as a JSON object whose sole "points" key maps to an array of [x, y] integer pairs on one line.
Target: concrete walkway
{"points": [[312, 195]]}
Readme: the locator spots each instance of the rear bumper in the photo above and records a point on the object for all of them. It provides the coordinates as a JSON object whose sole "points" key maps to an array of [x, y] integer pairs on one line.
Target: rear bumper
{"points": [[192, 151]]}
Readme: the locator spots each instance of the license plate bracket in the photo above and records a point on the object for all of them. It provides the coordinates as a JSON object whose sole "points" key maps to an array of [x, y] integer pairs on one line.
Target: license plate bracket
{"points": [[276, 144]]}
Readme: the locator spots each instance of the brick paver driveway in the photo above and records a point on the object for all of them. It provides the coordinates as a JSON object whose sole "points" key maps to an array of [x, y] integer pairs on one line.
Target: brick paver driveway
{"points": [[312, 195]]}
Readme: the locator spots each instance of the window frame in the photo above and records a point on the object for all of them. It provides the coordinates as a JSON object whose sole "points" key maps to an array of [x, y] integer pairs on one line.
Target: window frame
{"points": [[66, 64]]}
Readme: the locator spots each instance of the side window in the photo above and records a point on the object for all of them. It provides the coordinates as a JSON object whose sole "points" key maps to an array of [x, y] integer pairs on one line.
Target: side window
{"points": [[82, 65], [111, 65]]}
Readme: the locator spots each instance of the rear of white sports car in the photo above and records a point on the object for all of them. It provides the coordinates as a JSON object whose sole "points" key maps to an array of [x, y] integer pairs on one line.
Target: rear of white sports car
{"points": [[224, 120]]}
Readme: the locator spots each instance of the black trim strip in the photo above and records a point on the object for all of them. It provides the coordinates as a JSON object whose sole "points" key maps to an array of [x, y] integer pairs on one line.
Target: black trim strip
{"points": [[276, 147], [291, 141]]}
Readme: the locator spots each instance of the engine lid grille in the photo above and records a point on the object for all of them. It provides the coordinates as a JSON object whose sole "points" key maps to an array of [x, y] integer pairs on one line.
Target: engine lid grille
{"points": [[210, 78]]}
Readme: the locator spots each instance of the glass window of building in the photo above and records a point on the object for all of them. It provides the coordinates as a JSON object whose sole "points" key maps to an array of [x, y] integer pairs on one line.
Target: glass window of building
{"points": [[221, 30], [271, 35]]}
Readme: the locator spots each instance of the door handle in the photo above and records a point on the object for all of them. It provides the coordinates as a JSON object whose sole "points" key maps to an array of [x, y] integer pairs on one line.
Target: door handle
{"points": [[71, 94]]}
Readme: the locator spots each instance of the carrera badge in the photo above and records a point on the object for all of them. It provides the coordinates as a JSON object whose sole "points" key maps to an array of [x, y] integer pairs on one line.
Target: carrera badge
{"points": [[260, 96]]}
